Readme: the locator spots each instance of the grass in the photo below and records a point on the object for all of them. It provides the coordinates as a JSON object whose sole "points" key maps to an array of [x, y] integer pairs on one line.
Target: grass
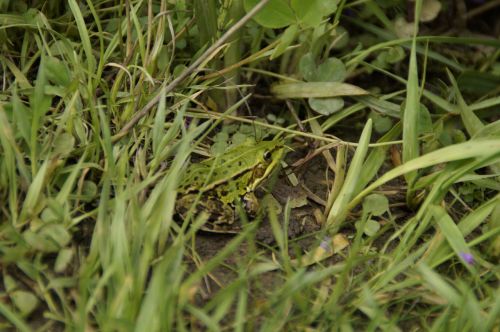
{"points": [[103, 104]]}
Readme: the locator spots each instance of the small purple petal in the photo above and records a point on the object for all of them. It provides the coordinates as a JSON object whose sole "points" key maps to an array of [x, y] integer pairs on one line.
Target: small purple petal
{"points": [[325, 244], [350, 12], [467, 257]]}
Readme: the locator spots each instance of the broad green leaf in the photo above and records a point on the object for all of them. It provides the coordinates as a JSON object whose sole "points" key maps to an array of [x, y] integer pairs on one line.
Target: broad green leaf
{"points": [[48, 215], [39, 242], [316, 90], [63, 145], [311, 12], [332, 70], [9, 283], [56, 71], [402, 28], [381, 124], [89, 191], [371, 227], [163, 58], [375, 204], [395, 54], [178, 70], [424, 121], [307, 66], [25, 301], [222, 136], [57, 233], [63, 259], [276, 14], [50, 238], [286, 39], [430, 10], [326, 106], [218, 148], [240, 137]]}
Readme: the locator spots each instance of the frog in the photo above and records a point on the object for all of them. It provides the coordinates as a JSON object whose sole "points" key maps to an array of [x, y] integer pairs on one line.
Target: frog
{"points": [[218, 184]]}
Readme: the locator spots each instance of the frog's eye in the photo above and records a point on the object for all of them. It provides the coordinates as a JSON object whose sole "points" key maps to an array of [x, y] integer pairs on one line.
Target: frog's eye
{"points": [[267, 155]]}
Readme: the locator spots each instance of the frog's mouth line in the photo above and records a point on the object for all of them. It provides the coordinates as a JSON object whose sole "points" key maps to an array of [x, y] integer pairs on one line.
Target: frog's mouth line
{"points": [[268, 169]]}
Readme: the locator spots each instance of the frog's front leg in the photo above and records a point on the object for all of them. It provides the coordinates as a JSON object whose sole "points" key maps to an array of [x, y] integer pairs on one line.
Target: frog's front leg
{"points": [[251, 204]]}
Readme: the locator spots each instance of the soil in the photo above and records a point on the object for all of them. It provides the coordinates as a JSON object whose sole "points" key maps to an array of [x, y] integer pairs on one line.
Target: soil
{"points": [[303, 227]]}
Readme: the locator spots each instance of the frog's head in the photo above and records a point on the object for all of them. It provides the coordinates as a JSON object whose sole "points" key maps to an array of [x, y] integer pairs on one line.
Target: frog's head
{"points": [[269, 154]]}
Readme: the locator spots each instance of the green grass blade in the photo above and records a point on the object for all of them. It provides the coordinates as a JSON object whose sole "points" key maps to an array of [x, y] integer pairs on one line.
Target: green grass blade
{"points": [[470, 149], [412, 109], [438, 251], [452, 234], [494, 314], [436, 283], [15, 319], [340, 207], [84, 36], [471, 122]]}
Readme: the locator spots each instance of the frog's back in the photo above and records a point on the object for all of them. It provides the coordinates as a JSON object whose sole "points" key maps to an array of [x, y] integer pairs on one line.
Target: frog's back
{"points": [[233, 162]]}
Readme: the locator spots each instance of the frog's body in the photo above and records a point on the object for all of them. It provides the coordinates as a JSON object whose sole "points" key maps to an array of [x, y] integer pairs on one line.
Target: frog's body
{"points": [[224, 180]]}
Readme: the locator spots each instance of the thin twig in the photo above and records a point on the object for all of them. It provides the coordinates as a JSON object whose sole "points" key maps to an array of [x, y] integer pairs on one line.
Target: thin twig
{"points": [[243, 62], [167, 89], [481, 9]]}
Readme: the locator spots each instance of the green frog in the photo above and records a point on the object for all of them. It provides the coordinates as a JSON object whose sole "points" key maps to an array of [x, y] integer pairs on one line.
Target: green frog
{"points": [[225, 180]]}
